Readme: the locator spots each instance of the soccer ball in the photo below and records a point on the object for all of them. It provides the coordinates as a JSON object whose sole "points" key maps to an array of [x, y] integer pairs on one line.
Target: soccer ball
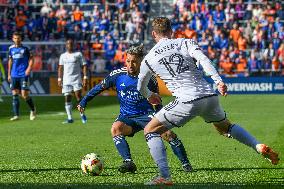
{"points": [[92, 164]]}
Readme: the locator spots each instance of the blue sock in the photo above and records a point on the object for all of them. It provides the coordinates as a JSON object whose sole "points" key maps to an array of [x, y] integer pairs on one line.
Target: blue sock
{"points": [[122, 147], [241, 135], [179, 151], [158, 152], [16, 105], [30, 102]]}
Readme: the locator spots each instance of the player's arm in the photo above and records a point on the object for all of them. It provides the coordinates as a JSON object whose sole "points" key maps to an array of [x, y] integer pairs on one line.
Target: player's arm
{"points": [[10, 61], [31, 63], [142, 85], [104, 85], [154, 87], [60, 71], [85, 70], [196, 53]]}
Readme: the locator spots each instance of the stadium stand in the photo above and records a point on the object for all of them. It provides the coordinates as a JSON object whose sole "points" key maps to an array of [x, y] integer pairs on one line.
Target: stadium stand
{"points": [[242, 37]]}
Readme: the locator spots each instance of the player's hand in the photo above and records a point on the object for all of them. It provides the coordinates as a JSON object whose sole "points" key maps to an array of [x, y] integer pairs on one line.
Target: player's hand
{"points": [[59, 83], [80, 108], [9, 78], [28, 72], [85, 82], [222, 88], [155, 99]]}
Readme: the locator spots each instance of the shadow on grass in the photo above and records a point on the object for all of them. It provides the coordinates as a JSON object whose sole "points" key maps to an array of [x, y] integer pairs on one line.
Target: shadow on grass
{"points": [[49, 104], [118, 186]]}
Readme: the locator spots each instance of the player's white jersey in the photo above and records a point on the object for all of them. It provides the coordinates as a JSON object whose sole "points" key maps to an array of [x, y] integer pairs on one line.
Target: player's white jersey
{"points": [[72, 63], [176, 62]]}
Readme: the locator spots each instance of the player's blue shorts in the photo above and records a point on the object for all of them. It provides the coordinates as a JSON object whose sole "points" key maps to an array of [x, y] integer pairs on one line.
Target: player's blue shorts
{"points": [[20, 83], [137, 123]]}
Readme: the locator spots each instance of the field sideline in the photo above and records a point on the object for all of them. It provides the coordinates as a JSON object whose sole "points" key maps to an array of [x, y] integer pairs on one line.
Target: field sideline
{"points": [[46, 154]]}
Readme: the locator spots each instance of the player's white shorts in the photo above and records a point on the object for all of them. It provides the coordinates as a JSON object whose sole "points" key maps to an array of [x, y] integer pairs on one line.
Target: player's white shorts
{"points": [[178, 113], [68, 89]]}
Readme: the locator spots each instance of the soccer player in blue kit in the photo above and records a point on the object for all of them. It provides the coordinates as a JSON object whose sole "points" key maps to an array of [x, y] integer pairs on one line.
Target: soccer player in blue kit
{"points": [[135, 110], [19, 68]]}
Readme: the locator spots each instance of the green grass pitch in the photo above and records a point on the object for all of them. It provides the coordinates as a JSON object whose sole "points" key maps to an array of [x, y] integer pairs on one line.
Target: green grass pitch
{"points": [[46, 154]]}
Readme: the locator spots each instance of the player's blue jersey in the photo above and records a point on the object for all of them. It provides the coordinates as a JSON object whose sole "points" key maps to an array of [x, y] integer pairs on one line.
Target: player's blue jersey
{"points": [[20, 60], [132, 103]]}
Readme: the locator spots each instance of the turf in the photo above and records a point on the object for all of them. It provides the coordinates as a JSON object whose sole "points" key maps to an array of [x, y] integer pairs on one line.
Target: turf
{"points": [[46, 154]]}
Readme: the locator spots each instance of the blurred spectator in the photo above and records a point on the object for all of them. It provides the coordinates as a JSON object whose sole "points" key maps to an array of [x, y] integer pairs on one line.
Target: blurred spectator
{"points": [[227, 66], [77, 15], [45, 10], [120, 55], [242, 43], [99, 65], [241, 65], [253, 65], [269, 52]]}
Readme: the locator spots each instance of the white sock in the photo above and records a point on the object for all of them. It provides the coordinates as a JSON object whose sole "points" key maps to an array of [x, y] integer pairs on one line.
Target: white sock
{"points": [[68, 108], [158, 152], [241, 135]]}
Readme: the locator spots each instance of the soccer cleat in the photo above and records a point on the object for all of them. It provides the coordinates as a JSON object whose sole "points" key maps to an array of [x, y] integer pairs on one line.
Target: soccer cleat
{"points": [[15, 118], [83, 118], [187, 167], [32, 115], [268, 153], [158, 180], [67, 121], [127, 166]]}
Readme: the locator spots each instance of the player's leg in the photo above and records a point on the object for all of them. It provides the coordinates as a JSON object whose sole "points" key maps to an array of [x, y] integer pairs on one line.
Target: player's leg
{"points": [[119, 130], [78, 96], [175, 114], [68, 108], [214, 113], [29, 101], [67, 91], [25, 95], [178, 149], [235, 131], [15, 87]]}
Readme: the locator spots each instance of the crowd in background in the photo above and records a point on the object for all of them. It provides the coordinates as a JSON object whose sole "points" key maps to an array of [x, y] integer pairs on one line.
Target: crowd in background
{"points": [[242, 38], [101, 27]]}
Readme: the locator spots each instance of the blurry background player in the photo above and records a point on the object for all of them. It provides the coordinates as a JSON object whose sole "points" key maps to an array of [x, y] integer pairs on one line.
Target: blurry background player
{"points": [[176, 61], [2, 77], [135, 110], [19, 68], [69, 78]]}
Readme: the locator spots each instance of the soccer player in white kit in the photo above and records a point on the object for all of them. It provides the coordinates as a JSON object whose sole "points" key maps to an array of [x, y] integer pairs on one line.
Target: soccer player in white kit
{"points": [[177, 63], [71, 64]]}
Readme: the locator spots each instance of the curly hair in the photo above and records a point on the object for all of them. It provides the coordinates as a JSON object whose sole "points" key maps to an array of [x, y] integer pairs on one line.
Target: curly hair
{"points": [[136, 49]]}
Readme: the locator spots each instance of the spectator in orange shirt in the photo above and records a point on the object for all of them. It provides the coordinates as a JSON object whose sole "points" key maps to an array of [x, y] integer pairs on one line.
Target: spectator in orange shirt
{"points": [[189, 33], [179, 33], [242, 43], [275, 64], [97, 46], [120, 55], [241, 64], [235, 33], [77, 15], [227, 66], [21, 19]]}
